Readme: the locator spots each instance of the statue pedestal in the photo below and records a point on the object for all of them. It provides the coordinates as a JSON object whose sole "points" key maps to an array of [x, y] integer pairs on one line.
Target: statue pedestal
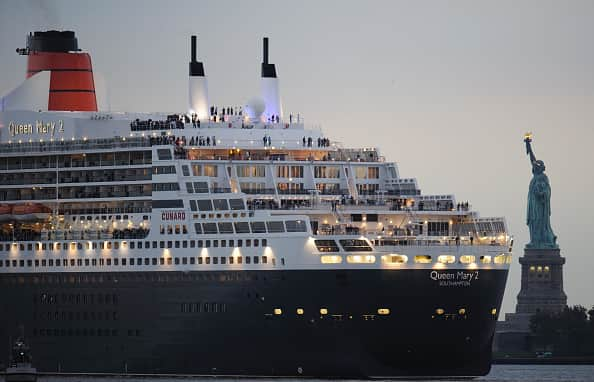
{"points": [[541, 291], [542, 282]]}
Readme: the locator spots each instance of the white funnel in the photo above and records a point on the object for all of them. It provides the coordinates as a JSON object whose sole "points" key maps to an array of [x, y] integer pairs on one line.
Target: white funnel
{"points": [[270, 87], [198, 86]]}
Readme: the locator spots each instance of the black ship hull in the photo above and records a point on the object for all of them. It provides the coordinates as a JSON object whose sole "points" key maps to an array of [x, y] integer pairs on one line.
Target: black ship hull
{"points": [[247, 323]]}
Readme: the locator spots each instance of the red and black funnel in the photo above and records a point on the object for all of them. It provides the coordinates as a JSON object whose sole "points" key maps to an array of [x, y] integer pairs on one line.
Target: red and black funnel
{"points": [[72, 87]]}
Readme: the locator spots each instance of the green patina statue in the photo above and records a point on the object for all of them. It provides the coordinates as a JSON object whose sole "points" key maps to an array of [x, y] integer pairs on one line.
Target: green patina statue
{"points": [[539, 204]]}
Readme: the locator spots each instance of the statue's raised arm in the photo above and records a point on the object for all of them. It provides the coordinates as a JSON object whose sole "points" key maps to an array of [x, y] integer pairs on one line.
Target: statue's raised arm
{"points": [[528, 140]]}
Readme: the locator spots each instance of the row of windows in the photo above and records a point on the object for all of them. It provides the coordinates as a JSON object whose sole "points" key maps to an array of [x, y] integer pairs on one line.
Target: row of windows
{"points": [[204, 307], [139, 261], [448, 259], [82, 332], [197, 187], [209, 170], [52, 299], [165, 186], [158, 170], [251, 227], [349, 245], [76, 316], [217, 205], [88, 245]]}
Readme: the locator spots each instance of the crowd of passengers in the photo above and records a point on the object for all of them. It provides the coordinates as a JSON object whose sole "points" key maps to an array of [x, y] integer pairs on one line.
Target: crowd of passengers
{"points": [[19, 234], [322, 142], [173, 121]]}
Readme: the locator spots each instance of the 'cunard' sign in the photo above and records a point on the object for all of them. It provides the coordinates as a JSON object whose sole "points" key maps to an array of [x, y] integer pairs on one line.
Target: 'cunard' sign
{"points": [[39, 127]]}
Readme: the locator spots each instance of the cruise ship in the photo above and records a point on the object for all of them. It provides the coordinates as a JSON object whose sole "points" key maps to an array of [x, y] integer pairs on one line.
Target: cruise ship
{"points": [[227, 240]]}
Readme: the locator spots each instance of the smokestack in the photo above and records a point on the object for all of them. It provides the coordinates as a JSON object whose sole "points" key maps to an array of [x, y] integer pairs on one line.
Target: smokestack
{"points": [[72, 86], [270, 86], [198, 90]]}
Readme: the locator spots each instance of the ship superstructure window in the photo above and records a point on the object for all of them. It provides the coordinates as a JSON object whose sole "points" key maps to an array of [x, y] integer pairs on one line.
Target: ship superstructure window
{"points": [[226, 227], [236, 204], [201, 187], [243, 227], [446, 259], [198, 228], [209, 228], [274, 226], [296, 226], [168, 203], [327, 172], [247, 171], [210, 170], [158, 170], [189, 188], [220, 204], [165, 186], [395, 259], [326, 245], [164, 154], [258, 227], [204, 205], [185, 170], [355, 245], [423, 259], [438, 228], [467, 259], [196, 169]]}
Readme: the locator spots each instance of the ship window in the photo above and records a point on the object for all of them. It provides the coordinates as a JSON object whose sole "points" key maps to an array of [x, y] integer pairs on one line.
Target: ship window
{"points": [[193, 206], [258, 227], [423, 259], [264, 259], [486, 259], [502, 259], [248, 260], [231, 243], [239, 242], [355, 245], [198, 228], [248, 242], [209, 228], [325, 245], [169, 261], [328, 259], [154, 244], [201, 187], [223, 243], [220, 204], [164, 154], [256, 259], [236, 204], [176, 244], [204, 205], [225, 227], [200, 260], [264, 242], [207, 243], [215, 243], [383, 311], [296, 226], [161, 244], [239, 259], [274, 226], [256, 242], [215, 260], [176, 261], [185, 170], [360, 259], [242, 227], [467, 259], [446, 259], [192, 243], [207, 258], [230, 259], [185, 244], [132, 244], [395, 259]]}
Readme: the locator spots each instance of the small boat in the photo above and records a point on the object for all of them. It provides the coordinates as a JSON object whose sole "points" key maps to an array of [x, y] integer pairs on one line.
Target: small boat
{"points": [[30, 211], [21, 368], [5, 212]]}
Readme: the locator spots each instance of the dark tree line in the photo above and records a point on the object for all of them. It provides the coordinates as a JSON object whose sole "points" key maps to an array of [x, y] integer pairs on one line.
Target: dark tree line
{"points": [[566, 333]]}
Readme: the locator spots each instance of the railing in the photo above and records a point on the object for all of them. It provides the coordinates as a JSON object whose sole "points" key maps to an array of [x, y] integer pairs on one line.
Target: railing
{"points": [[79, 144]]}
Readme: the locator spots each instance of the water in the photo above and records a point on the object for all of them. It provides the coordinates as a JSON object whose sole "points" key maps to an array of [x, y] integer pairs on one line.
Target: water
{"points": [[499, 373]]}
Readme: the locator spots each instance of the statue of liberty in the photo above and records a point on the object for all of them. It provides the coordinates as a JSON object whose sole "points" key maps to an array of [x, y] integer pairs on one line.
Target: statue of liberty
{"points": [[538, 217]]}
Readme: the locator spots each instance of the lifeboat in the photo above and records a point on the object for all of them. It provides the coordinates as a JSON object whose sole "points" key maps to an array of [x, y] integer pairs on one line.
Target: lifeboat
{"points": [[5, 212], [30, 211]]}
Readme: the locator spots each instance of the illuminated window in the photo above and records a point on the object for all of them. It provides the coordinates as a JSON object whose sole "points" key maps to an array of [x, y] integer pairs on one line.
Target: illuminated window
{"points": [[423, 259], [331, 259], [485, 259], [494, 311], [383, 311], [278, 311], [467, 259], [502, 259], [395, 259], [546, 268], [439, 311], [462, 311], [300, 311], [361, 259], [446, 259], [323, 311]]}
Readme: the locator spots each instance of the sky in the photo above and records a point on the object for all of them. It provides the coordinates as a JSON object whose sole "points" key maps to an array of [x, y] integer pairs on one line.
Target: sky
{"points": [[446, 89]]}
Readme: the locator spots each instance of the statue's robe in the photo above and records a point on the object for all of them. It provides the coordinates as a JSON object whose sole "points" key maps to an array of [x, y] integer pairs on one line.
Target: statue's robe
{"points": [[539, 213]]}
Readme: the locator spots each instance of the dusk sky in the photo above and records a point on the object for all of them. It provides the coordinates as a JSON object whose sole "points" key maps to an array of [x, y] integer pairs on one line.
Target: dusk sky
{"points": [[444, 88]]}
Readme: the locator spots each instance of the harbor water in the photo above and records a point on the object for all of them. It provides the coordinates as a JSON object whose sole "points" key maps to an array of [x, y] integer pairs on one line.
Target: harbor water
{"points": [[499, 373]]}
